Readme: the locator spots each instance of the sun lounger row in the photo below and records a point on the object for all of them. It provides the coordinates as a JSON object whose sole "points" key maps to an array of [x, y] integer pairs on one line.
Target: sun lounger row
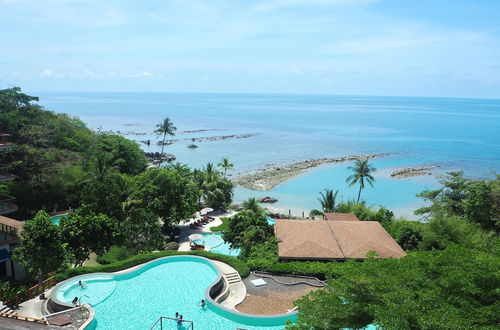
{"points": [[203, 221]]}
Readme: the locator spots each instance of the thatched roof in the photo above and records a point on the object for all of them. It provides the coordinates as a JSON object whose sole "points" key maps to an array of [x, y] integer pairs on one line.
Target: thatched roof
{"points": [[326, 240]]}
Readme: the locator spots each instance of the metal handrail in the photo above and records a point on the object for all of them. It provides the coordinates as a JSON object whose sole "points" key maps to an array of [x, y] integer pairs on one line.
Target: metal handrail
{"points": [[190, 326]]}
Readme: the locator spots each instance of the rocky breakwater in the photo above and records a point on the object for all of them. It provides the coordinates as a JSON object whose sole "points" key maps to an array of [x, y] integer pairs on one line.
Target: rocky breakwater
{"points": [[210, 138], [156, 157], [413, 171], [271, 176]]}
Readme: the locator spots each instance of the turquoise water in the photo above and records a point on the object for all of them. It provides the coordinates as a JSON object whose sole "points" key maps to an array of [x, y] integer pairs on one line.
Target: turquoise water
{"points": [[217, 245], [56, 219], [270, 221], [460, 134], [161, 288]]}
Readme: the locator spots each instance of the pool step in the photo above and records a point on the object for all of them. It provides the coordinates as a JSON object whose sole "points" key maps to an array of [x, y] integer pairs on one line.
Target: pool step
{"points": [[233, 277]]}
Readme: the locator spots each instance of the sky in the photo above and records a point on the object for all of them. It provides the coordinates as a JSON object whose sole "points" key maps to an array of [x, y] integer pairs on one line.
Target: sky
{"points": [[445, 48]]}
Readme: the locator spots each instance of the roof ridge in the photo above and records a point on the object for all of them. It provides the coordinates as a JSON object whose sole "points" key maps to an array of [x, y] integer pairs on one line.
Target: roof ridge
{"points": [[335, 238]]}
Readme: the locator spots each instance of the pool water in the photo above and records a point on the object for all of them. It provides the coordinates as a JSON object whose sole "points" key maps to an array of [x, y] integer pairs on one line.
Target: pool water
{"points": [[160, 288], [216, 244], [270, 221], [56, 219]]}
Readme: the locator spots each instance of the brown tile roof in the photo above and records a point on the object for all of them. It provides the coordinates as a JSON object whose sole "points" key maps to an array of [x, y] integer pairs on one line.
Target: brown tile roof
{"points": [[305, 239], [319, 239], [358, 238], [19, 225], [341, 216]]}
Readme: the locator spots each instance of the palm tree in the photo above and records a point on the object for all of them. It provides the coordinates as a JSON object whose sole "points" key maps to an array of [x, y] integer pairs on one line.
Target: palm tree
{"points": [[327, 201], [164, 128], [252, 204], [226, 165], [362, 172]]}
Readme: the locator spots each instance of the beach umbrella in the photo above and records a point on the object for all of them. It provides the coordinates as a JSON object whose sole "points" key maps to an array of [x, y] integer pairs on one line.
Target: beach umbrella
{"points": [[195, 237], [206, 210]]}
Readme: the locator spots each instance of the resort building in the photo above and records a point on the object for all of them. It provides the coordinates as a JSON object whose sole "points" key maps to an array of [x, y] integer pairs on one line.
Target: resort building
{"points": [[10, 233], [340, 236]]}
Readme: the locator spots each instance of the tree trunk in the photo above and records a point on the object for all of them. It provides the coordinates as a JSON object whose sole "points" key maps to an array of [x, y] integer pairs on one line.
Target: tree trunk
{"points": [[359, 194], [163, 144]]}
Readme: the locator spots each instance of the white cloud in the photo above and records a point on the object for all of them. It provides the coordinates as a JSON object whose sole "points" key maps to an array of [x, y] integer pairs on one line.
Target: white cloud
{"points": [[49, 73]]}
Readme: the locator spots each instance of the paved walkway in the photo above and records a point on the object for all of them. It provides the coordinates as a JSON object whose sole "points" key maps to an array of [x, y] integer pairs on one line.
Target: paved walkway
{"points": [[186, 230]]}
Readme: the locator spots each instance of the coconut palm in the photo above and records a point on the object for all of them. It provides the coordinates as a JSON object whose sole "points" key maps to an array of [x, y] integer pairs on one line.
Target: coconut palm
{"points": [[362, 172], [164, 128], [253, 205], [226, 165], [328, 204]]}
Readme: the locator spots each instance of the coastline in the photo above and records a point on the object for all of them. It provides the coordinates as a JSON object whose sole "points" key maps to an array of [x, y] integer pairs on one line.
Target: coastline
{"points": [[269, 177]]}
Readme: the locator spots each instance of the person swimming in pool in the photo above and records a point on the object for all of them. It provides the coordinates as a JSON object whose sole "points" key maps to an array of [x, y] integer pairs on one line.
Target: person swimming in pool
{"points": [[80, 284], [75, 301], [179, 321], [202, 303]]}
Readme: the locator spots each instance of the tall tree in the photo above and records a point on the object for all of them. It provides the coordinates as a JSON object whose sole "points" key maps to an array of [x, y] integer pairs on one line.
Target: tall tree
{"points": [[164, 128], [362, 171], [226, 165], [41, 249], [85, 232], [328, 203], [456, 288]]}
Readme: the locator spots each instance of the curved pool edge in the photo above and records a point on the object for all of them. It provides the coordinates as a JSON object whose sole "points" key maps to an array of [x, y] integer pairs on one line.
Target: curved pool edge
{"points": [[234, 315]]}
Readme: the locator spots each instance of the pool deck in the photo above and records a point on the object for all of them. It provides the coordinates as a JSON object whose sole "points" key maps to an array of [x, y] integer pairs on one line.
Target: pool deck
{"points": [[186, 230]]}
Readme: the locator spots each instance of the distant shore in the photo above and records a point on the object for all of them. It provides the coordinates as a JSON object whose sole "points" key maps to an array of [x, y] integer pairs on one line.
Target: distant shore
{"points": [[271, 176]]}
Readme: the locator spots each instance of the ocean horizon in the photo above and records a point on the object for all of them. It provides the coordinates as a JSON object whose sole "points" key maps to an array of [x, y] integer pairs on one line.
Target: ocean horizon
{"points": [[455, 133]]}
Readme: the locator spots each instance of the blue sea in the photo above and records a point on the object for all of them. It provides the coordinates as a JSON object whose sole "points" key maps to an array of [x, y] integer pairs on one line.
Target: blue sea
{"points": [[459, 134]]}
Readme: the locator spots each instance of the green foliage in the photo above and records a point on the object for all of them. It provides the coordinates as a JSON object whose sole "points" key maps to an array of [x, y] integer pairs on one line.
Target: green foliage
{"points": [[215, 190], [408, 234], [123, 154], [442, 231], [7, 291], [246, 229], [367, 213], [362, 171], [328, 204], [114, 254], [478, 204], [240, 266], [456, 288], [141, 230], [226, 165], [169, 193], [41, 246], [164, 128], [251, 204], [223, 226], [85, 232], [263, 256]]}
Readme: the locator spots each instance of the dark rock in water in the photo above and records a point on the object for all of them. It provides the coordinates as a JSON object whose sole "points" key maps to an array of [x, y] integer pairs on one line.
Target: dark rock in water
{"points": [[268, 199], [156, 157], [192, 146]]}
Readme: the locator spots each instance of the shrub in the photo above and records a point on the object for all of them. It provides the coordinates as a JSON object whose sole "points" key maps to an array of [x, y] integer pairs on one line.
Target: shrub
{"points": [[115, 253]]}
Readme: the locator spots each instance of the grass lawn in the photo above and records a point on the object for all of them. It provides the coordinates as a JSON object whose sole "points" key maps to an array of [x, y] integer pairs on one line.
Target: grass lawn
{"points": [[223, 226]]}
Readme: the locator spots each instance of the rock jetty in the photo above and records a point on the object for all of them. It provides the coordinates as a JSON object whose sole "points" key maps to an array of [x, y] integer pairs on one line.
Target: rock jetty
{"points": [[413, 171], [271, 176], [156, 157], [210, 138]]}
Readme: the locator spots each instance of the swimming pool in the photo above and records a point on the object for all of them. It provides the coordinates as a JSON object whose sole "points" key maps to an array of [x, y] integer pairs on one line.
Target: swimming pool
{"points": [[56, 219], [270, 221], [162, 287], [216, 244]]}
